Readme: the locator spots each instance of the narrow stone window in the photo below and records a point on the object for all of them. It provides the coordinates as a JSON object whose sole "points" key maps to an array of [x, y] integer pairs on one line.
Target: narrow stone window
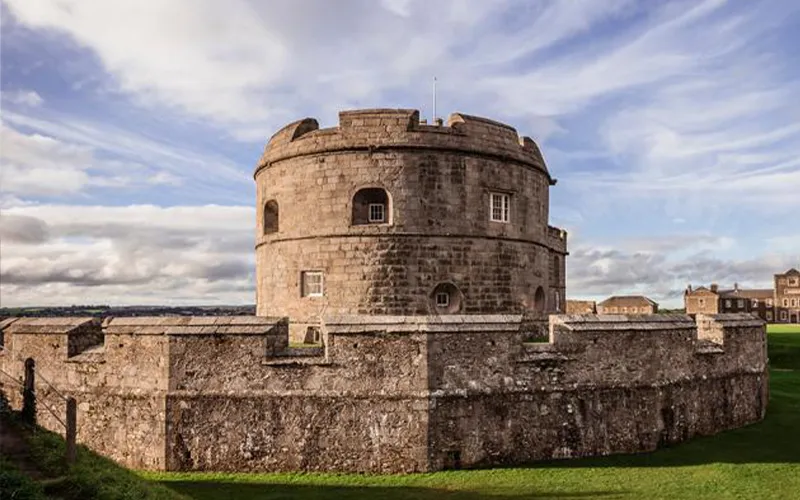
{"points": [[499, 207], [271, 217], [785, 302], [312, 283], [538, 300], [371, 206]]}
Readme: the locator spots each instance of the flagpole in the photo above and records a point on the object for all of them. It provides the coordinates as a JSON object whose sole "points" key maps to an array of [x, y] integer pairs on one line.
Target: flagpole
{"points": [[434, 100]]}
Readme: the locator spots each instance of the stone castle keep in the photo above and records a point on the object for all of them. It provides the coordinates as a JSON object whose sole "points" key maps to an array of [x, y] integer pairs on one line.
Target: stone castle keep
{"points": [[402, 271], [385, 215]]}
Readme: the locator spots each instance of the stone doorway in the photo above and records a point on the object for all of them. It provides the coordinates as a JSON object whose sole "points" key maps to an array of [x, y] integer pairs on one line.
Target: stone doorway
{"points": [[794, 318]]}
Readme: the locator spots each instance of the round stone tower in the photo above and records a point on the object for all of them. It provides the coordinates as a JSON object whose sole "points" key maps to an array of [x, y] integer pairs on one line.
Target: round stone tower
{"points": [[385, 214]]}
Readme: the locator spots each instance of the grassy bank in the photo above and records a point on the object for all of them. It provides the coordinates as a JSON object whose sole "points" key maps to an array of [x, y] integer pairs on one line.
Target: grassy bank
{"points": [[92, 476], [761, 461]]}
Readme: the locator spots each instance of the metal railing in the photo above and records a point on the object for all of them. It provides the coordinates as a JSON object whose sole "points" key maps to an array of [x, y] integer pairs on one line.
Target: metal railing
{"points": [[30, 401]]}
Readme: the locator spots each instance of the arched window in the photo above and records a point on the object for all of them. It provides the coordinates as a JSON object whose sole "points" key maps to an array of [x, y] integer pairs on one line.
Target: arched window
{"points": [[538, 300], [371, 206], [271, 217], [446, 299], [556, 301]]}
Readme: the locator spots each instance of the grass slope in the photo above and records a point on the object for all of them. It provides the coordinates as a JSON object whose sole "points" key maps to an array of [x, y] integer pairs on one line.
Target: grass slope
{"points": [[92, 476], [761, 461]]}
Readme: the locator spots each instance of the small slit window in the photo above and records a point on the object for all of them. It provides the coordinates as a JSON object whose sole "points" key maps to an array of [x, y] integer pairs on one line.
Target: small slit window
{"points": [[371, 206], [442, 299]]}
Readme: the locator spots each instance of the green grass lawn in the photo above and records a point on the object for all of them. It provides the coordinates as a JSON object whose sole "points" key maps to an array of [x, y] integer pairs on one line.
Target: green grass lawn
{"points": [[761, 461]]}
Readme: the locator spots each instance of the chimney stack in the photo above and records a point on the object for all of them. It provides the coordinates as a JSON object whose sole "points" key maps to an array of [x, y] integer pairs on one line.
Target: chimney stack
{"points": [[714, 287], [736, 286]]}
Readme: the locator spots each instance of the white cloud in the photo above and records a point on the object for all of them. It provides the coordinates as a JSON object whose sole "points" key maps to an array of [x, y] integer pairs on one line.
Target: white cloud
{"points": [[662, 267], [126, 255], [28, 98], [39, 165]]}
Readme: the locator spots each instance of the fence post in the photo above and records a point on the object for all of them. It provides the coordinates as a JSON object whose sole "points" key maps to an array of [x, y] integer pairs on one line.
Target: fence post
{"points": [[28, 393], [72, 414]]}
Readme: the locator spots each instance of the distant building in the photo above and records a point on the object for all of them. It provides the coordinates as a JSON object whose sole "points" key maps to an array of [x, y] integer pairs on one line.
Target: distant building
{"points": [[787, 297], [581, 307], [627, 304], [778, 305]]}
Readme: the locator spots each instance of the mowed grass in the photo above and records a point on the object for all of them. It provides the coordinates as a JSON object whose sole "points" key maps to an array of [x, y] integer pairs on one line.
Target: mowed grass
{"points": [[761, 461]]}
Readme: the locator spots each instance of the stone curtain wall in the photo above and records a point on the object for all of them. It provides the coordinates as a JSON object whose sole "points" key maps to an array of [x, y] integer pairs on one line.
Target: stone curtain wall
{"points": [[438, 179], [602, 385], [397, 393]]}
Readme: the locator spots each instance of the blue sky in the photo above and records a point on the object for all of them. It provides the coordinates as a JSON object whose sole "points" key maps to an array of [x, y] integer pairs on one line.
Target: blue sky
{"points": [[130, 131]]}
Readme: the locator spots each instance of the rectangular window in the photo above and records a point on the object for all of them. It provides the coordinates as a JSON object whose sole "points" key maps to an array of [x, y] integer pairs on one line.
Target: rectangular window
{"points": [[377, 212], [794, 302], [442, 299], [769, 302], [755, 302], [783, 315], [312, 283], [728, 303], [769, 315], [785, 302], [499, 207], [740, 303]]}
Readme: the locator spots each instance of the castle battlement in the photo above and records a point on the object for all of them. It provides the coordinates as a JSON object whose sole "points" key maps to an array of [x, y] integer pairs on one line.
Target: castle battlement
{"points": [[391, 393], [375, 130]]}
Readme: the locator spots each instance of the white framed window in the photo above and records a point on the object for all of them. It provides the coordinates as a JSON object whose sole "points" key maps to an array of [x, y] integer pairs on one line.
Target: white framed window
{"points": [[499, 207], [740, 303], [312, 283], [728, 303], [377, 212], [442, 299]]}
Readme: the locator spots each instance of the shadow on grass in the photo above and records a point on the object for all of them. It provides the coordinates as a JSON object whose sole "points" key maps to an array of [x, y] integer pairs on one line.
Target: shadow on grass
{"points": [[202, 490]]}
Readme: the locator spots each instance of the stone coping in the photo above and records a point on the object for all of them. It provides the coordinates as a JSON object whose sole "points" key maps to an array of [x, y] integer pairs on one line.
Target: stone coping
{"points": [[457, 323], [46, 325], [191, 325]]}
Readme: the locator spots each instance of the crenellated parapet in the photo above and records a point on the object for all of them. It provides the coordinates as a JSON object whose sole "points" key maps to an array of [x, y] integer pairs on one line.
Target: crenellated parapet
{"points": [[392, 393], [396, 129]]}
